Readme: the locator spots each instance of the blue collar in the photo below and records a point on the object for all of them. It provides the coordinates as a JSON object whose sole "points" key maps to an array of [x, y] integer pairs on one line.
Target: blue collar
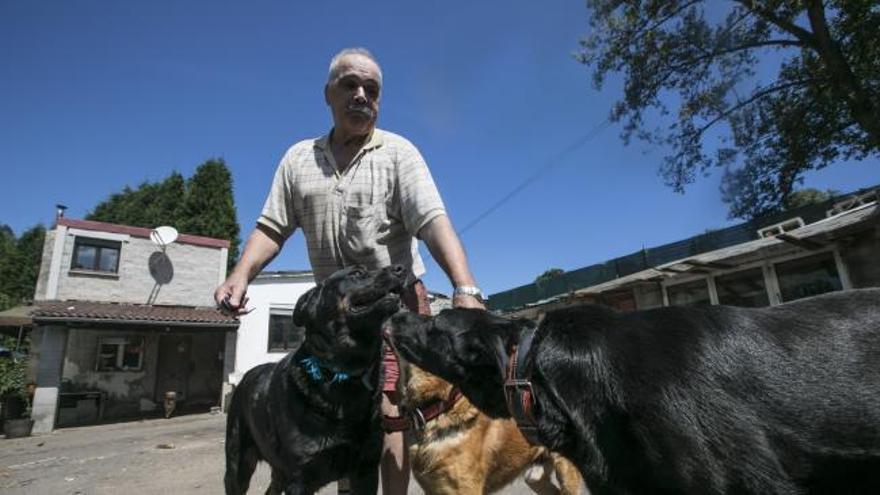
{"points": [[313, 367]]}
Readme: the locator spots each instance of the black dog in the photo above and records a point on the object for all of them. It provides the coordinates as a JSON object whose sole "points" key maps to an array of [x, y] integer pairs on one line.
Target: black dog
{"points": [[779, 400], [314, 416]]}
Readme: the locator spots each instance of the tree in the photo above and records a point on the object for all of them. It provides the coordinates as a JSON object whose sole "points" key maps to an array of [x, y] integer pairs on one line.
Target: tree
{"points": [[704, 57], [809, 196], [548, 275], [201, 205], [19, 265], [150, 205], [209, 208]]}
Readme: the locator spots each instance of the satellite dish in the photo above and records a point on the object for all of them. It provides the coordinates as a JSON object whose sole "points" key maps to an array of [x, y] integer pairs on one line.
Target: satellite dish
{"points": [[163, 236]]}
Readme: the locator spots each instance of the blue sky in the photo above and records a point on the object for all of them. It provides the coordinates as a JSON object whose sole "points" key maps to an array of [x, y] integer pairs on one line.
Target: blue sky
{"points": [[97, 95]]}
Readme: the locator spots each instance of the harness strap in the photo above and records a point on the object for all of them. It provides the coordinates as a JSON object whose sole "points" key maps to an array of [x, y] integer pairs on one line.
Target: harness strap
{"points": [[518, 388], [419, 416]]}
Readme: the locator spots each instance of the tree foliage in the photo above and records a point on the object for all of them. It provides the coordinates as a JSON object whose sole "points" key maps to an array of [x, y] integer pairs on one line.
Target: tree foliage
{"points": [[209, 208], [19, 265], [201, 205], [705, 59], [809, 196], [548, 275]]}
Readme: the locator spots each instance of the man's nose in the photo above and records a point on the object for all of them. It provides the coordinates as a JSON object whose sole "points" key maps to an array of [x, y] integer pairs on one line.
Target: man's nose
{"points": [[360, 95]]}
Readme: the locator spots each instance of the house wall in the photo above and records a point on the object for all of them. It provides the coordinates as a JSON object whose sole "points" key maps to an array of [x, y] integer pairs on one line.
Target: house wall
{"points": [[133, 393], [43, 276], [184, 274], [252, 341], [124, 389]]}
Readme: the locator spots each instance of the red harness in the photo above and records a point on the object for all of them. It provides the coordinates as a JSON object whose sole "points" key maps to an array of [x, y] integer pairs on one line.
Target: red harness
{"points": [[518, 388], [419, 417]]}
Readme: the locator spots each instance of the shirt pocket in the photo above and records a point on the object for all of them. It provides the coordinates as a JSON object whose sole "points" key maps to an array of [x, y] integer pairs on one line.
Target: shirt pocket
{"points": [[363, 227]]}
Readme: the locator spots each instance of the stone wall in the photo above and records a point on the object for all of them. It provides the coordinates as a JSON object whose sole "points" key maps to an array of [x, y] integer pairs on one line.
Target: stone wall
{"points": [[183, 274]]}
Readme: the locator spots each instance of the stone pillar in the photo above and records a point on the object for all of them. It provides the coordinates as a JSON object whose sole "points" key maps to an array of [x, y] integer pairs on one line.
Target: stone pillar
{"points": [[51, 344], [228, 367]]}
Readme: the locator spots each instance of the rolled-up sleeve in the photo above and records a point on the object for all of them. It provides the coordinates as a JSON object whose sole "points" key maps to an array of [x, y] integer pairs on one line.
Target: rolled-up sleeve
{"points": [[420, 200], [278, 212]]}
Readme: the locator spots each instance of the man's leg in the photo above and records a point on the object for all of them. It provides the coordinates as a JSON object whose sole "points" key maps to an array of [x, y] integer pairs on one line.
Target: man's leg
{"points": [[395, 456], [395, 459]]}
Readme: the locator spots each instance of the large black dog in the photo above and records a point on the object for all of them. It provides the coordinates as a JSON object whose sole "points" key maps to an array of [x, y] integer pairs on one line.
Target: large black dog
{"points": [[314, 416], [780, 400]]}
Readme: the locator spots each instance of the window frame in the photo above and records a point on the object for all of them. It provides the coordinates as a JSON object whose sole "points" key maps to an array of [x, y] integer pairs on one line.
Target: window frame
{"points": [[121, 343], [281, 312], [835, 258], [100, 245], [768, 267]]}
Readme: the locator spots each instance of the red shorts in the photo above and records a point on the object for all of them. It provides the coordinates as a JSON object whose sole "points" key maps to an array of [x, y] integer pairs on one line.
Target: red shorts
{"points": [[415, 298]]}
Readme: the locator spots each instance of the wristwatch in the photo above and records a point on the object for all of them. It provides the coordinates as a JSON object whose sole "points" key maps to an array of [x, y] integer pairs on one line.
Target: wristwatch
{"points": [[468, 290]]}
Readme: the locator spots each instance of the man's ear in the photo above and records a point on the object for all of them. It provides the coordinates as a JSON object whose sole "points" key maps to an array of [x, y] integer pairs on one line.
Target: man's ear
{"points": [[305, 309], [327, 93]]}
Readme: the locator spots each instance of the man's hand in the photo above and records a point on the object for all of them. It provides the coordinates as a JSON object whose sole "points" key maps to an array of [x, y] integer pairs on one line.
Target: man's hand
{"points": [[466, 301], [263, 244], [231, 296]]}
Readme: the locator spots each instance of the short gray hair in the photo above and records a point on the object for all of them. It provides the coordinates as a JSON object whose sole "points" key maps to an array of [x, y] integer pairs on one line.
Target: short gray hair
{"points": [[334, 62]]}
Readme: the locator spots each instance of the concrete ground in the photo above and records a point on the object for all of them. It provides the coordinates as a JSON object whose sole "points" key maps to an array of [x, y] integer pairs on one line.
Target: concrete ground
{"points": [[182, 455]]}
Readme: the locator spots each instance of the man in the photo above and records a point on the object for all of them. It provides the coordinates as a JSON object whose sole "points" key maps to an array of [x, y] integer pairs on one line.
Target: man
{"points": [[361, 196]]}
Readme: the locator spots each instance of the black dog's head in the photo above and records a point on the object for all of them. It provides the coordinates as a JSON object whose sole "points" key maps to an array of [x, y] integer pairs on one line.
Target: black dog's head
{"points": [[467, 347], [343, 314]]}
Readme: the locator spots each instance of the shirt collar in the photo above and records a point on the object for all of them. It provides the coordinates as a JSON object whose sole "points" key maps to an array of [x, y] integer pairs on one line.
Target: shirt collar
{"points": [[375, 140]]}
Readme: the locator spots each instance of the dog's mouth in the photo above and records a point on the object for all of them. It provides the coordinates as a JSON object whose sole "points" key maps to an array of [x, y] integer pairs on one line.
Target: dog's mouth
{"points": [[366, 301]]}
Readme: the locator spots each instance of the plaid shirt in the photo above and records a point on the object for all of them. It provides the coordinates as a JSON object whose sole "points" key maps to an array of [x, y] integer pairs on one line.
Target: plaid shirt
{"points": [[369, 214]]}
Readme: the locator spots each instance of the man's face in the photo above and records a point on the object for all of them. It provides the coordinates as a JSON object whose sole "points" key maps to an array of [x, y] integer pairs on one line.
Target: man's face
{"points": [[353, 96]]}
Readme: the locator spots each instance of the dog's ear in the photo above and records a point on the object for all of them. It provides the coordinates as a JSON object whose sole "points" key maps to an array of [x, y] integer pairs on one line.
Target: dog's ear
{"points": [[305, 309]]}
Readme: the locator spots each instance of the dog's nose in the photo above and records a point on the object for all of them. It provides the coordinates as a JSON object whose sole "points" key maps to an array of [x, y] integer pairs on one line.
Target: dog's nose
{"points": [[398, 270]]}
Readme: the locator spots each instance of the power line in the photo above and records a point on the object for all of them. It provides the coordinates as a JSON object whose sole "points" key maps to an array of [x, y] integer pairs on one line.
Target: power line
{"points": [[552, 162]]}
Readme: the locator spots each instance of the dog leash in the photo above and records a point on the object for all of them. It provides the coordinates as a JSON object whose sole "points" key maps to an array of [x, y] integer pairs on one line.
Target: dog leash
{"points": [[418, 417], [518, 388]]}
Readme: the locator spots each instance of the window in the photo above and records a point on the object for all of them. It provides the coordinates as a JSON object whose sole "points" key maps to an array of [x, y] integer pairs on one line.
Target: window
{"points": [[808, 276], [120, 354], [97, 255], [284, 336], [781, 228], [744, 288], [694, 293]]}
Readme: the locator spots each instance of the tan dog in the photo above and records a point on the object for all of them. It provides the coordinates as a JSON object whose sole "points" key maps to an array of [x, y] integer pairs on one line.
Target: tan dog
{"points": [[462, 451]]}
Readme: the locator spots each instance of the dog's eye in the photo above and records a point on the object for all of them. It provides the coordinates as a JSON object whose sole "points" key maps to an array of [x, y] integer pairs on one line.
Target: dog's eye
{"points": [[359, 273]]}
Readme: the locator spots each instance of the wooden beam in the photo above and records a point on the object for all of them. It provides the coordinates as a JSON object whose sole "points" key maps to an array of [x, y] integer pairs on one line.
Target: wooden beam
{"points": [[803, 243], [709, 264], [694, 269]]}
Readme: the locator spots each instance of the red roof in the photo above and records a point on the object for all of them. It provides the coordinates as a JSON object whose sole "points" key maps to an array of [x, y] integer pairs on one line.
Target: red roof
{"points": [[195, 240], [145, 314]]}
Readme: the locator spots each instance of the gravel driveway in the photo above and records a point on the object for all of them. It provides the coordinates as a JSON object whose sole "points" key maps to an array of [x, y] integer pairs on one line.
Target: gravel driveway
{"points": [[181, 455]]}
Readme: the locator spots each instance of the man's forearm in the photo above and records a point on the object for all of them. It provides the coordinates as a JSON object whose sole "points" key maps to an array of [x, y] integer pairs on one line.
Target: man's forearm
{"points": [[447, 251], [261, 248]]}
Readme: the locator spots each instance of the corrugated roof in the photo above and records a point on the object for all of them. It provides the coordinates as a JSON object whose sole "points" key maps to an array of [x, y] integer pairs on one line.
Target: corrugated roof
{"points": [[143, 314]]}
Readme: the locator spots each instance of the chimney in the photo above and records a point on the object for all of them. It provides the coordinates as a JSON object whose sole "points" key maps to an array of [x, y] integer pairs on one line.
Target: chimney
{"points": [[59, 212]]}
